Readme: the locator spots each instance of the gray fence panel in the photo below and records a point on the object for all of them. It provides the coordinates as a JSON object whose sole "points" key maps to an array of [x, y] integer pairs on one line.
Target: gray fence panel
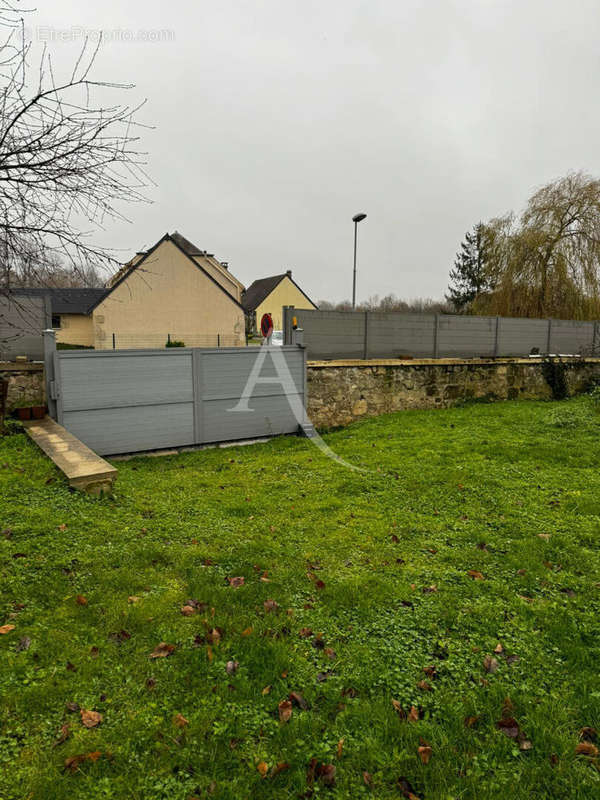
{"points": [[569, 337], [127, 401], [269, 412], [397, 335], [130, 429], [115, 380], [519, 337], [466, 337], [332, 334], [22, 320], [337, 334], [226, 378], [120, 402]]}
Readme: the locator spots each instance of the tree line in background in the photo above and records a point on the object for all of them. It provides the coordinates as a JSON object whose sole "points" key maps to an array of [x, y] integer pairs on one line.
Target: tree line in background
{"points": [[543, 263], [391, 303]]}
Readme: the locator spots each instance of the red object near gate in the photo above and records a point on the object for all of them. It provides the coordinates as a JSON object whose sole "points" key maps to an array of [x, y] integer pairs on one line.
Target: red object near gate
{"points": [[266, 325]]}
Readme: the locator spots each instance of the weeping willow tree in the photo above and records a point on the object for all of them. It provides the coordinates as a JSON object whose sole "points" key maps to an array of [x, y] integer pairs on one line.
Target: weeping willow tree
{"points": [[546, 263]]}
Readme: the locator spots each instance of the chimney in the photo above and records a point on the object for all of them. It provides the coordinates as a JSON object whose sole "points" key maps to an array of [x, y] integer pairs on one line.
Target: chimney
{"points": [[289, 273]]}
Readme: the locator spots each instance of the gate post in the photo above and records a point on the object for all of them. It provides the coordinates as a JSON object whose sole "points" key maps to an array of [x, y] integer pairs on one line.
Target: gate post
{"points": [[287, 324], [496, 337], [50, 377]]}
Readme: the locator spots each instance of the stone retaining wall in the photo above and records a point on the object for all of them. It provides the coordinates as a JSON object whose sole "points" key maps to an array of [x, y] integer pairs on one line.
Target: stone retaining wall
{"points": [[340, 392], [26, 384]]}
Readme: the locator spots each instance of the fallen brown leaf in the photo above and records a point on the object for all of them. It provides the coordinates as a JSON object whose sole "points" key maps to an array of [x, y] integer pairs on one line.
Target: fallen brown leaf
{"points": [[187, 611], [490, 664], [6, 628], [285, 710], [586, 749], [180, 721], [214, 636], [63, 735], [81, 600], [326, 774], [236, 583], [73, 762], [162, 650], [281, 767], [262, 768], [424, 752], [398, 707], [368, 779], [340, 748], [247, 631], [509, 727], [298, 700], [525, 744], [90, 719], [232, 667], [477, 576], [270, 605], [588, 734]]}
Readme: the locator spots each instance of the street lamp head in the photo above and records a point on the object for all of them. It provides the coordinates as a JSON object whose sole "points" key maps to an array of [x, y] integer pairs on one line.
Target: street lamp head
{"points": [[359, 217]]}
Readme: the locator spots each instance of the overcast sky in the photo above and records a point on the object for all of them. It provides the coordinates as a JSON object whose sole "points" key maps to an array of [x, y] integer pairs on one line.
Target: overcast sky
{"points": [[277, 120]]}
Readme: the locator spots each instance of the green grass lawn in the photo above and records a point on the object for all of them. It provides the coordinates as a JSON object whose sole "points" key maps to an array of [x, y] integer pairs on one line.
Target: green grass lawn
{"points": [[369, 572]]}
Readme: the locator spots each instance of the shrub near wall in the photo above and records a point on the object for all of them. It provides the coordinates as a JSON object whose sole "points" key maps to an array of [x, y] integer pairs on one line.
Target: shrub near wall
{"points": [[340, 393]]}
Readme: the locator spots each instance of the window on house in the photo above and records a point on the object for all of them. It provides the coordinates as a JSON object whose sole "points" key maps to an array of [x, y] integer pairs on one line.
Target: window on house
{"points": [[55, 321]]}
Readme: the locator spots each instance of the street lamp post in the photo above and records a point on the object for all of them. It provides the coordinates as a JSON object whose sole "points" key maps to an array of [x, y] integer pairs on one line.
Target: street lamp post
{"points": [[355, 219]]}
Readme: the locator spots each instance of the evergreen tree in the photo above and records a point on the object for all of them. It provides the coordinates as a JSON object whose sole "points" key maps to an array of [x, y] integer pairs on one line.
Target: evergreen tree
{"points": [[469, 277]]}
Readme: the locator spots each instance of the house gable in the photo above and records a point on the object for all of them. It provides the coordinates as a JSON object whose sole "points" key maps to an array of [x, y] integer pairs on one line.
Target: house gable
{"points": [[282, 291], [166, 293]]}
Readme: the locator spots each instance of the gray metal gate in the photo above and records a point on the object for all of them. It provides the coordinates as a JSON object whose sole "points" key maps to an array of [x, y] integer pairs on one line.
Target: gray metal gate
{"points": [[125, 401]]}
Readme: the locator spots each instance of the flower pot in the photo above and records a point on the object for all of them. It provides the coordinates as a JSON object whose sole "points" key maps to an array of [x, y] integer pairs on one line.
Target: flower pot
{"points": [[38, 412], [24, 413]]}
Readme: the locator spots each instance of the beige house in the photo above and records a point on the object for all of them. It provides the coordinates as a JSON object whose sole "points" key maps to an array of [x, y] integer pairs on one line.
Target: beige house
{"points": [[172, 291], [269, 295]]}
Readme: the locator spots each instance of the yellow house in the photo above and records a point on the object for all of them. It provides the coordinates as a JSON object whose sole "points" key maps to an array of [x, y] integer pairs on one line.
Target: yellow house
{"points": [[269, 295], [71, 312], [173, 291]]}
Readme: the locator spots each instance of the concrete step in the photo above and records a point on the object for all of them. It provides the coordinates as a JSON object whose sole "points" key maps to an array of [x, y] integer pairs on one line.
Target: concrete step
{"points": [[307, 429], [84, 469]]}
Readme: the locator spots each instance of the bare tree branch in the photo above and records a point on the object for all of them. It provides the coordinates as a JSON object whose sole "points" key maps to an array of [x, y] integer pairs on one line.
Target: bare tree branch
{"points": [[68, 163]]}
